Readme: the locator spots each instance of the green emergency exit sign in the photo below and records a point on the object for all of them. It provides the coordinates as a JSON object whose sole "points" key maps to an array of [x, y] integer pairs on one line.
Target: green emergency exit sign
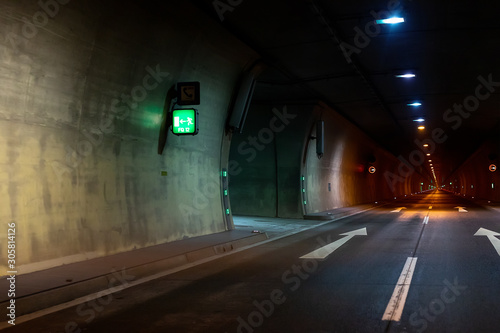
{"points": [[185, 122]]}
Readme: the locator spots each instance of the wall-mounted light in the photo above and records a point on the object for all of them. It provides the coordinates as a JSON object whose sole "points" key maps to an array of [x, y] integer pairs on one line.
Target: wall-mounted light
{"points": [[320, 138]]}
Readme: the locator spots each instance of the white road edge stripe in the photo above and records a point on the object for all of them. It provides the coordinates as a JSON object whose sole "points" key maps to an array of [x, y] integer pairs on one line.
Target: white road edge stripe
{"points": [[426, 219], [397, 302], [87, 298]]}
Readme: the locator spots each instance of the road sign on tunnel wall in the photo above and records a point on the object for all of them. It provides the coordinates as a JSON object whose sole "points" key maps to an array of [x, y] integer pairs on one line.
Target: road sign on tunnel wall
{"points": [[185, 122], [188, 93]]}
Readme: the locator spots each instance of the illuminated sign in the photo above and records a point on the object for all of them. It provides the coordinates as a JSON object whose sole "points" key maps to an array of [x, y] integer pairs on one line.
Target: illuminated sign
{"points": [[185, 122], [372, 169], [493, 168], [188, 93]]}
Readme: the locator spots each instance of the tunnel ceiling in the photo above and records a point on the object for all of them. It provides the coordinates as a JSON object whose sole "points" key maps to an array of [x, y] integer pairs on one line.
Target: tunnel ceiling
{"points": [[449, 45]]}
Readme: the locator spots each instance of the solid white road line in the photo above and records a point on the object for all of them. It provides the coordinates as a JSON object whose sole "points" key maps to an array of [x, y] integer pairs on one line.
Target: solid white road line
{"points": [[426, 219], [53, 309], [397, 302]]}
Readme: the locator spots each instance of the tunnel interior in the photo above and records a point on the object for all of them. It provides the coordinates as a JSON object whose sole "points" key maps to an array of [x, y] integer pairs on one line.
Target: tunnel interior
{"points": [[84, 108]]}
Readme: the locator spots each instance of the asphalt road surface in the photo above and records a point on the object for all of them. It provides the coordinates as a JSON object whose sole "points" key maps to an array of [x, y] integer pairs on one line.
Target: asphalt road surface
{"points": [[429, 263]]}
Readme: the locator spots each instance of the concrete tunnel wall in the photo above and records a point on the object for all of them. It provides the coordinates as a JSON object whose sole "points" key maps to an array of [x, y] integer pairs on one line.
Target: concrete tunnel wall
{"points": [[341, 177], [79, 170], [270, 167], [266, 161], [474, 179]]}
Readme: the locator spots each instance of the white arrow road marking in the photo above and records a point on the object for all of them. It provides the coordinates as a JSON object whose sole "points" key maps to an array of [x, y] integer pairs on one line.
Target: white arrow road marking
{"points": [[462, 210], [426, 219], [491, 236], [397, 210], [397, 302], [326, 250]]}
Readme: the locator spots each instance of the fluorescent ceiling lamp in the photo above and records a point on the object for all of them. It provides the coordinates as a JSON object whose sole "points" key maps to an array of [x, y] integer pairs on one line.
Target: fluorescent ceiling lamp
{"points": [[421, 127], [414, 104], [390, 20], [405, 76], [419, 120]]}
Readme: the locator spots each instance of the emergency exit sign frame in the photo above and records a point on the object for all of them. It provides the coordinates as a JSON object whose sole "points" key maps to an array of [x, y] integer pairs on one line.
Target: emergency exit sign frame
{"points": [[185, 121]]}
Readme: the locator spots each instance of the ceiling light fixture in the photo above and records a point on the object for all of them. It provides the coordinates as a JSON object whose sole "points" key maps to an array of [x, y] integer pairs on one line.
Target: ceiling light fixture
{"points": [[414, 104], [405, 76], [390, 20], [419, 120], [421, 127]]}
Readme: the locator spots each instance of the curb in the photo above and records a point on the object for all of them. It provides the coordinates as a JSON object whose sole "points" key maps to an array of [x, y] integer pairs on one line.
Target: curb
{"points": [[28, 304], [326, 216], [102, 285]]}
